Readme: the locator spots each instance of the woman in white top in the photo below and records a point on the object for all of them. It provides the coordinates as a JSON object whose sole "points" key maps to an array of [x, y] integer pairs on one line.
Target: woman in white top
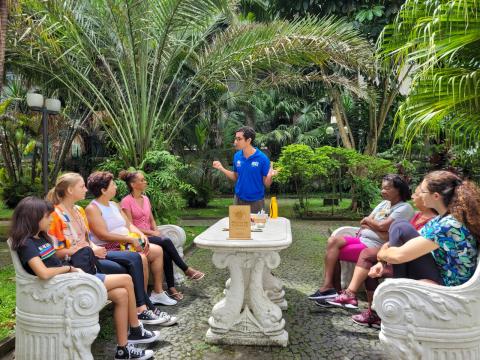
{"points": [[112, 229]]}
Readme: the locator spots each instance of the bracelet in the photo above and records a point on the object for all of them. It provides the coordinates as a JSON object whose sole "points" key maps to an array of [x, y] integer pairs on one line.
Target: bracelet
{"points": [[69, 268]]}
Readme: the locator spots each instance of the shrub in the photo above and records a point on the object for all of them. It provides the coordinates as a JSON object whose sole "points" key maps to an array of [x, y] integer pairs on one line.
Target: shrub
{"points": [[165, 187]]}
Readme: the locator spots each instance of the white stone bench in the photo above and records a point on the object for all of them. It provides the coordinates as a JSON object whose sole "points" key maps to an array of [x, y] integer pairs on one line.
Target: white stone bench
{"points": [[427, 321], [56, 319], [178, 237]]}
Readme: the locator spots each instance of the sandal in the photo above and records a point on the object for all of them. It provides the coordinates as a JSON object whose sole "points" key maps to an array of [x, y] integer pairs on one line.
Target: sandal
{"points": [[197, 275], [175, 295]]}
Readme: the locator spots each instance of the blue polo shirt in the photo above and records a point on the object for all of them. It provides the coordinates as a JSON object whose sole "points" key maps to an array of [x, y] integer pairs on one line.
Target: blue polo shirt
{"points": [[249, 185]]}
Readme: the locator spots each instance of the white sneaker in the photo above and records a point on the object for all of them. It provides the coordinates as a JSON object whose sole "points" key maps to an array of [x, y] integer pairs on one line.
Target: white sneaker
{"points": [[162, 299], [168, 320]]}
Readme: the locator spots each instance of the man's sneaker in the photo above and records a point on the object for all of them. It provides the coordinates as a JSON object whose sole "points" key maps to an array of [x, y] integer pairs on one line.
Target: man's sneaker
{"points": [[323, 303], [367, 318], [162, 299], [131, 352], [320, 295], [345, 299], [148, 317], [140, 335], [168, 320]]}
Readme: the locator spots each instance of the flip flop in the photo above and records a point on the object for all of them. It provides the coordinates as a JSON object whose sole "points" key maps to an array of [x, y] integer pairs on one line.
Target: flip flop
{"points": [[197, 275], [175, 295]]}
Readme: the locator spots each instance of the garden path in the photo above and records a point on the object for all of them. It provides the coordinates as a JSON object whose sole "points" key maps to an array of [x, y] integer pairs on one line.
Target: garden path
{"points": [[315, 333]]}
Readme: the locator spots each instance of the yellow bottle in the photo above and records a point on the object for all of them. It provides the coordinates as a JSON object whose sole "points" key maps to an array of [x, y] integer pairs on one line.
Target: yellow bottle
{"points": [[273, 208]]}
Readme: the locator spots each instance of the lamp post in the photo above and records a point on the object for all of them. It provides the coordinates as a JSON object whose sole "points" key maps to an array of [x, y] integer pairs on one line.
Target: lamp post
{"points": [[36, 102], [330, 131]]}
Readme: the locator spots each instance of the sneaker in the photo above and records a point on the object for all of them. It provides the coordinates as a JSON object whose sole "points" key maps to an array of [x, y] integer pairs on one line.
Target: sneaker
{"points": [[320, 295], [162, 299], [345, 299], [148, 317], [167, 320], [323, 303], [131, 352], [367, 318], [141, 335]]}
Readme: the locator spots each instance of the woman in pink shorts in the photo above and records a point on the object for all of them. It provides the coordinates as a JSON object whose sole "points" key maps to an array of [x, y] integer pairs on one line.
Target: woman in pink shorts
{"points": [[373, 233]]}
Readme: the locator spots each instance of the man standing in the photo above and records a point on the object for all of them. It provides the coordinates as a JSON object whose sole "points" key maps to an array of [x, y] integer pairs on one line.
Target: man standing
{"points": [[252, 171]]}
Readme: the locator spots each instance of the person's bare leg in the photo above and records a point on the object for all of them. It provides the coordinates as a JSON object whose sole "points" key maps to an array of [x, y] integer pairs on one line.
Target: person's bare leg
{"points": [[124, 282], [334, 244], [155, 258], [370, 298], [120, 314], [359, 276]]}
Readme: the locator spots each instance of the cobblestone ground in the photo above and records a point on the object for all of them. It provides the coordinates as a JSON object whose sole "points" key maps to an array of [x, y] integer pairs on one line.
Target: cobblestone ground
{"points": [[314, 333]]}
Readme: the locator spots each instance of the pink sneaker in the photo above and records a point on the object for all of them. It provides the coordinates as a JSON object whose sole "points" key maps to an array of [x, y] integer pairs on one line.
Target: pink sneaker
{"points": [[345, 300], [367, 318]]}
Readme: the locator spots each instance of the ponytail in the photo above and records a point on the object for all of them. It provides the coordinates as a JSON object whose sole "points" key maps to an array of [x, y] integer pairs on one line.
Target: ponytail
{"points": [[57, 193]]}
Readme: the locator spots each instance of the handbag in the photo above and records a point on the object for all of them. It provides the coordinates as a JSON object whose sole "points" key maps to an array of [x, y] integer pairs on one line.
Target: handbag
{"points": [[84, 259]]}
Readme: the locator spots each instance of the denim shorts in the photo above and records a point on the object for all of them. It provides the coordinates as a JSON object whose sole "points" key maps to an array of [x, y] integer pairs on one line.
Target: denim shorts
{"points": [[100, 276]]}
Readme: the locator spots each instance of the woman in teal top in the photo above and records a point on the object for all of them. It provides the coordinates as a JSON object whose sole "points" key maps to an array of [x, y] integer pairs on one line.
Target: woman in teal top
{"points": [[451, 237]]}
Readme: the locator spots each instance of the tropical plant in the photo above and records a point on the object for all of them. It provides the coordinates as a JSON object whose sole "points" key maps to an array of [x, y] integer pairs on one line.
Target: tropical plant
{"points": [[3, 38], [161, 170], [145, 64], [301, 165], [441, 39]]}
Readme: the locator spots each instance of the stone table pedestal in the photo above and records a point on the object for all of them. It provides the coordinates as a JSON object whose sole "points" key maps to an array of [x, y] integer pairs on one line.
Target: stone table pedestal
{"points": [[251, 311]]}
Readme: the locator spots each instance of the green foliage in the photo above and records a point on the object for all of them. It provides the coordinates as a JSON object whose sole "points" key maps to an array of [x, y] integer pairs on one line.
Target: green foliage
{"points": [[145, 66], [7, 301], [301, 165], [12, 193], [161, 171], [441, 39]]}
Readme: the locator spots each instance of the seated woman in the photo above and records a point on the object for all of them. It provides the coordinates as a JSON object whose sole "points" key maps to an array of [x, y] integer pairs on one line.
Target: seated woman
{"points": [[70, 232], [30, 223], [445, 252], [372, 234], [368, 258], [139, 211], [111, 228]]}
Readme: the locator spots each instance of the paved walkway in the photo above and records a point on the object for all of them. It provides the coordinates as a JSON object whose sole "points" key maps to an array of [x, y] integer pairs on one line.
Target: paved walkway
{"points": [[315, 333]]}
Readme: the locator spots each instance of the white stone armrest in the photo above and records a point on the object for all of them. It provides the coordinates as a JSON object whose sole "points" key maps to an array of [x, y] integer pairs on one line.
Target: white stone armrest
{"points": [[175, 233], [420, 319], [346, 231]]}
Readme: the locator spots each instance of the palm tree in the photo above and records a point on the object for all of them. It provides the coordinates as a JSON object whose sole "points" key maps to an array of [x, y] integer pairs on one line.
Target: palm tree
{"points": [[3, 38], [441, 41], [144, 63]]}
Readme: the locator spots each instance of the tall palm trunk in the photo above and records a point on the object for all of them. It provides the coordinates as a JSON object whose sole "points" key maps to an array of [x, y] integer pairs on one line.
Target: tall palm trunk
{"points": [[3, 38]]}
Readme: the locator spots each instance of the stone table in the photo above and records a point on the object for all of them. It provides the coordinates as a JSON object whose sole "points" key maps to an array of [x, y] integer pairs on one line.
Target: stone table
{"points": [[251, 311]]}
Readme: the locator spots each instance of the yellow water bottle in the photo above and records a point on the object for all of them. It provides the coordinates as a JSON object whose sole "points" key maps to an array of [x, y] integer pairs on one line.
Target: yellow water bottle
{"points": [[273, 208]]}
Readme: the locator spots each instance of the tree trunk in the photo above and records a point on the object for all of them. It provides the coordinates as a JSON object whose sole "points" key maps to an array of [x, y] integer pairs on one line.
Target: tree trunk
{"points": [[342, 121], [3, 38]]}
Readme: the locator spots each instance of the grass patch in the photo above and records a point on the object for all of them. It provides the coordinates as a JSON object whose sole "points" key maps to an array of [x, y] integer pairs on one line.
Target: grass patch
{"points": [[218, 208], [192, 232], [6, 214], [7, 301]]}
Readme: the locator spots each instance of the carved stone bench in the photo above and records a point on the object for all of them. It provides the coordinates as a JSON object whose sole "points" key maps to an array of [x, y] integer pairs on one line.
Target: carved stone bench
{"points": [[56, 319], [427, 321]]}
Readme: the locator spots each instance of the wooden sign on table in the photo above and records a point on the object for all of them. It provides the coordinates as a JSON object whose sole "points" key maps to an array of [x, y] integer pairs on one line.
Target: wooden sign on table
{"points": [[239, 222]]}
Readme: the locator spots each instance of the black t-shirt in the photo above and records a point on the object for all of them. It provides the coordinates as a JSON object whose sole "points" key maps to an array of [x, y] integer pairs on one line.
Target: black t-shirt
{"points": [[41, 248]]}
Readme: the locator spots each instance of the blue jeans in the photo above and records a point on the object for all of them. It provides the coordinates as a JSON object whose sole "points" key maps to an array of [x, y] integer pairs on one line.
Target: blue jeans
{"points": [[127, 262]]}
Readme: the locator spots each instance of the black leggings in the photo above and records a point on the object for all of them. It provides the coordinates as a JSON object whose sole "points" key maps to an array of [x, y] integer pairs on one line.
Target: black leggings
{"points": [[127, 262], [423, 267], [170, 254]]}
